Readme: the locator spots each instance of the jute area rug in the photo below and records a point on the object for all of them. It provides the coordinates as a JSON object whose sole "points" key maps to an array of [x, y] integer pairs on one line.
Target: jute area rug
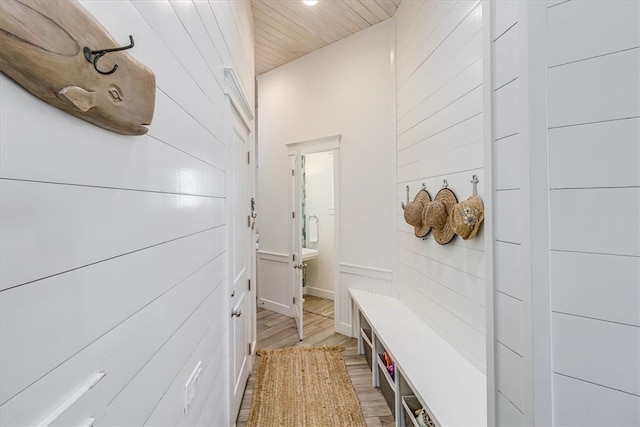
{"points": [[304, 386]]}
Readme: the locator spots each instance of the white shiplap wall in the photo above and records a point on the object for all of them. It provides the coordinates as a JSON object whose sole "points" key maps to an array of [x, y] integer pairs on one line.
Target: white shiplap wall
{"points": [[440, 136], [594, 189], [112, 247], [507, 239], [566, 198]]}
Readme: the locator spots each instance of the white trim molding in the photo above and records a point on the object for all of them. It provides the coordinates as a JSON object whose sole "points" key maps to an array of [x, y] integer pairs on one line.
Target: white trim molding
{"points": [[233, 89], [326, 143]]}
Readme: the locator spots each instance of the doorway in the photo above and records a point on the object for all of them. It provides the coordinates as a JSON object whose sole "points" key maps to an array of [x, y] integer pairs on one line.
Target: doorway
{"points": [[318, 214], [305, 225]]}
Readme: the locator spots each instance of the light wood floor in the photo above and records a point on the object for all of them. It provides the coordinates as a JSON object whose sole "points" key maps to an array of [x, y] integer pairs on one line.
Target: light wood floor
{"points": [[277, 331]]}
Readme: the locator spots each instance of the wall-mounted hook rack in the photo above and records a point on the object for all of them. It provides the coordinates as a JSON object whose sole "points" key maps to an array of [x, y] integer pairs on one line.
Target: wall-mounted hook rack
{"points": [[403, 204], [475, 181], [88, 54], [445, 184]]}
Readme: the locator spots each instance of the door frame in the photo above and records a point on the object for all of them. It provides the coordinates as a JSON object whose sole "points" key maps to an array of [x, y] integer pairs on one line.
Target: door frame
{"points": [[320, 145], [236, 101]]}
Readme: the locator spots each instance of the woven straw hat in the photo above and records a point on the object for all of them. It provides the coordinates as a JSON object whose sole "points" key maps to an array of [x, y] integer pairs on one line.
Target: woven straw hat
{"points": [[413, 213], [467, 216], [437, 213]]}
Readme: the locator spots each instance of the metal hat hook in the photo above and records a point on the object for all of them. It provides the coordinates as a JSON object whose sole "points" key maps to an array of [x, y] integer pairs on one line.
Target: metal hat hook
{"points": [[88, 54], [403, 204], [475, 181]]}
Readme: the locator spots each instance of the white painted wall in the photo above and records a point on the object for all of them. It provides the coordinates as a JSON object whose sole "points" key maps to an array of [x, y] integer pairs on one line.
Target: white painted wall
{"points": [[320, 275], [344, 89], [566, 107], [440, 136], [112, 247]]}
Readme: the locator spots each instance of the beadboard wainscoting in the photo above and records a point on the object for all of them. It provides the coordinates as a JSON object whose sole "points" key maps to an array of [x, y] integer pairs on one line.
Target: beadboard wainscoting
{"points": [[439, 111], [113, 247], [350, 276]]}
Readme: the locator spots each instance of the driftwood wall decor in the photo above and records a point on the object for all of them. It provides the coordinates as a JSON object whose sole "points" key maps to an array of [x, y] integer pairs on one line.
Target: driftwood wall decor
{"points": [[43, 49]]}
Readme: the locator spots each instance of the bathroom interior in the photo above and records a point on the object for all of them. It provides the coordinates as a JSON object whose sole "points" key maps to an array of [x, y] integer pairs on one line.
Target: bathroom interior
{"points": [[318, 251]]}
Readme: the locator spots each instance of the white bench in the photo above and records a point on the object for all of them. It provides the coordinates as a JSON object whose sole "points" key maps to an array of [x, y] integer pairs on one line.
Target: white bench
{"points": [[450, 388]]}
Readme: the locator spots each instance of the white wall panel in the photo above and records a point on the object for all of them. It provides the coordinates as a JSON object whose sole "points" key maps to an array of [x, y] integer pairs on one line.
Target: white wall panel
{"points": [[44, 308], [440, 136], [599, 30], [600, 154], [125, 232], [120, 354], [459, 110], [509, 330], [506, 58], [507, 414], [593, 87], [506, 273], [506, 152], [135, 403], [509, 375], [599, 89], [580, 344], [506, 101], [506, 16], [141, 163], [63, 223], [581, 404], [464, 338], [210, 352], [578, 216], [508, 223], [580, 279], [464, 133]]}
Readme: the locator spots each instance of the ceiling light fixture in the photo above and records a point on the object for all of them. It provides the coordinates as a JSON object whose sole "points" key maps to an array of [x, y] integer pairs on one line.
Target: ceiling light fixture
{"points": [[310, 2]]}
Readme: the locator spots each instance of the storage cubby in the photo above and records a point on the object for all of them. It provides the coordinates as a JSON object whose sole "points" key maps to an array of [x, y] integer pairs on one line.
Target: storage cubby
{"points": [[411, 404], [366, 339], [386, 380], [428, 372]]}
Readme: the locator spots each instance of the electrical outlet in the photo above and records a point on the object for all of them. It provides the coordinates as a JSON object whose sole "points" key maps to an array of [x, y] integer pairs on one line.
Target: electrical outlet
{"points": [[191, 387]]}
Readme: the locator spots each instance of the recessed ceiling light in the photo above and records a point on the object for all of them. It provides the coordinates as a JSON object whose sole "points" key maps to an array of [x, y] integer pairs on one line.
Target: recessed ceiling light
{"points": [[310, 2]]}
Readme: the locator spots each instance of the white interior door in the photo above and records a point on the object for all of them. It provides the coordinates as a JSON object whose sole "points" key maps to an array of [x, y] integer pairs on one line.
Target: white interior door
{"points": [[296, 242], [240, 268]]}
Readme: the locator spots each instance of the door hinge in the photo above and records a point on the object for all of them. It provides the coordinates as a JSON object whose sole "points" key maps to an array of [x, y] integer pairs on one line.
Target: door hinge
{"points": [[293, 172], [248, 157], [293, 215], [249, 349], [249, 221], [294, 300], [249, 284]]}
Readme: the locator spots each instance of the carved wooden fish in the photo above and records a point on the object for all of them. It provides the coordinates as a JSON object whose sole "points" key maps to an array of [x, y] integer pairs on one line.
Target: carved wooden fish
{"points": [[42, 50]]}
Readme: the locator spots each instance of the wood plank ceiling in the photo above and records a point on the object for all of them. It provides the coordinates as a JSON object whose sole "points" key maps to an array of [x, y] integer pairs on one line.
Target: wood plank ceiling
{"points": [[287, 29]]}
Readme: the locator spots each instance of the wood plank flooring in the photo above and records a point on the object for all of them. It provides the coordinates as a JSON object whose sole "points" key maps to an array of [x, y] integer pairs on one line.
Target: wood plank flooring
{"points": [[278, 331]]}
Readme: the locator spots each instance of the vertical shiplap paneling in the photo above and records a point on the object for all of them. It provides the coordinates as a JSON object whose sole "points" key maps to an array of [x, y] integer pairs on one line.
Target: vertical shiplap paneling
{"points": [[440, 136], [594, 110], [112, 249], [507, 224]]}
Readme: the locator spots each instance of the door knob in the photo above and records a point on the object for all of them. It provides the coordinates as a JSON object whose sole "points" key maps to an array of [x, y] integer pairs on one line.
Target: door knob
{"points": [[236, 313]]}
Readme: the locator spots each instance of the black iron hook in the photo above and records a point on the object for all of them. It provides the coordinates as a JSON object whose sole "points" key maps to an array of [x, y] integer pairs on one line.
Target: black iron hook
{"points": [[88, 54]]}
